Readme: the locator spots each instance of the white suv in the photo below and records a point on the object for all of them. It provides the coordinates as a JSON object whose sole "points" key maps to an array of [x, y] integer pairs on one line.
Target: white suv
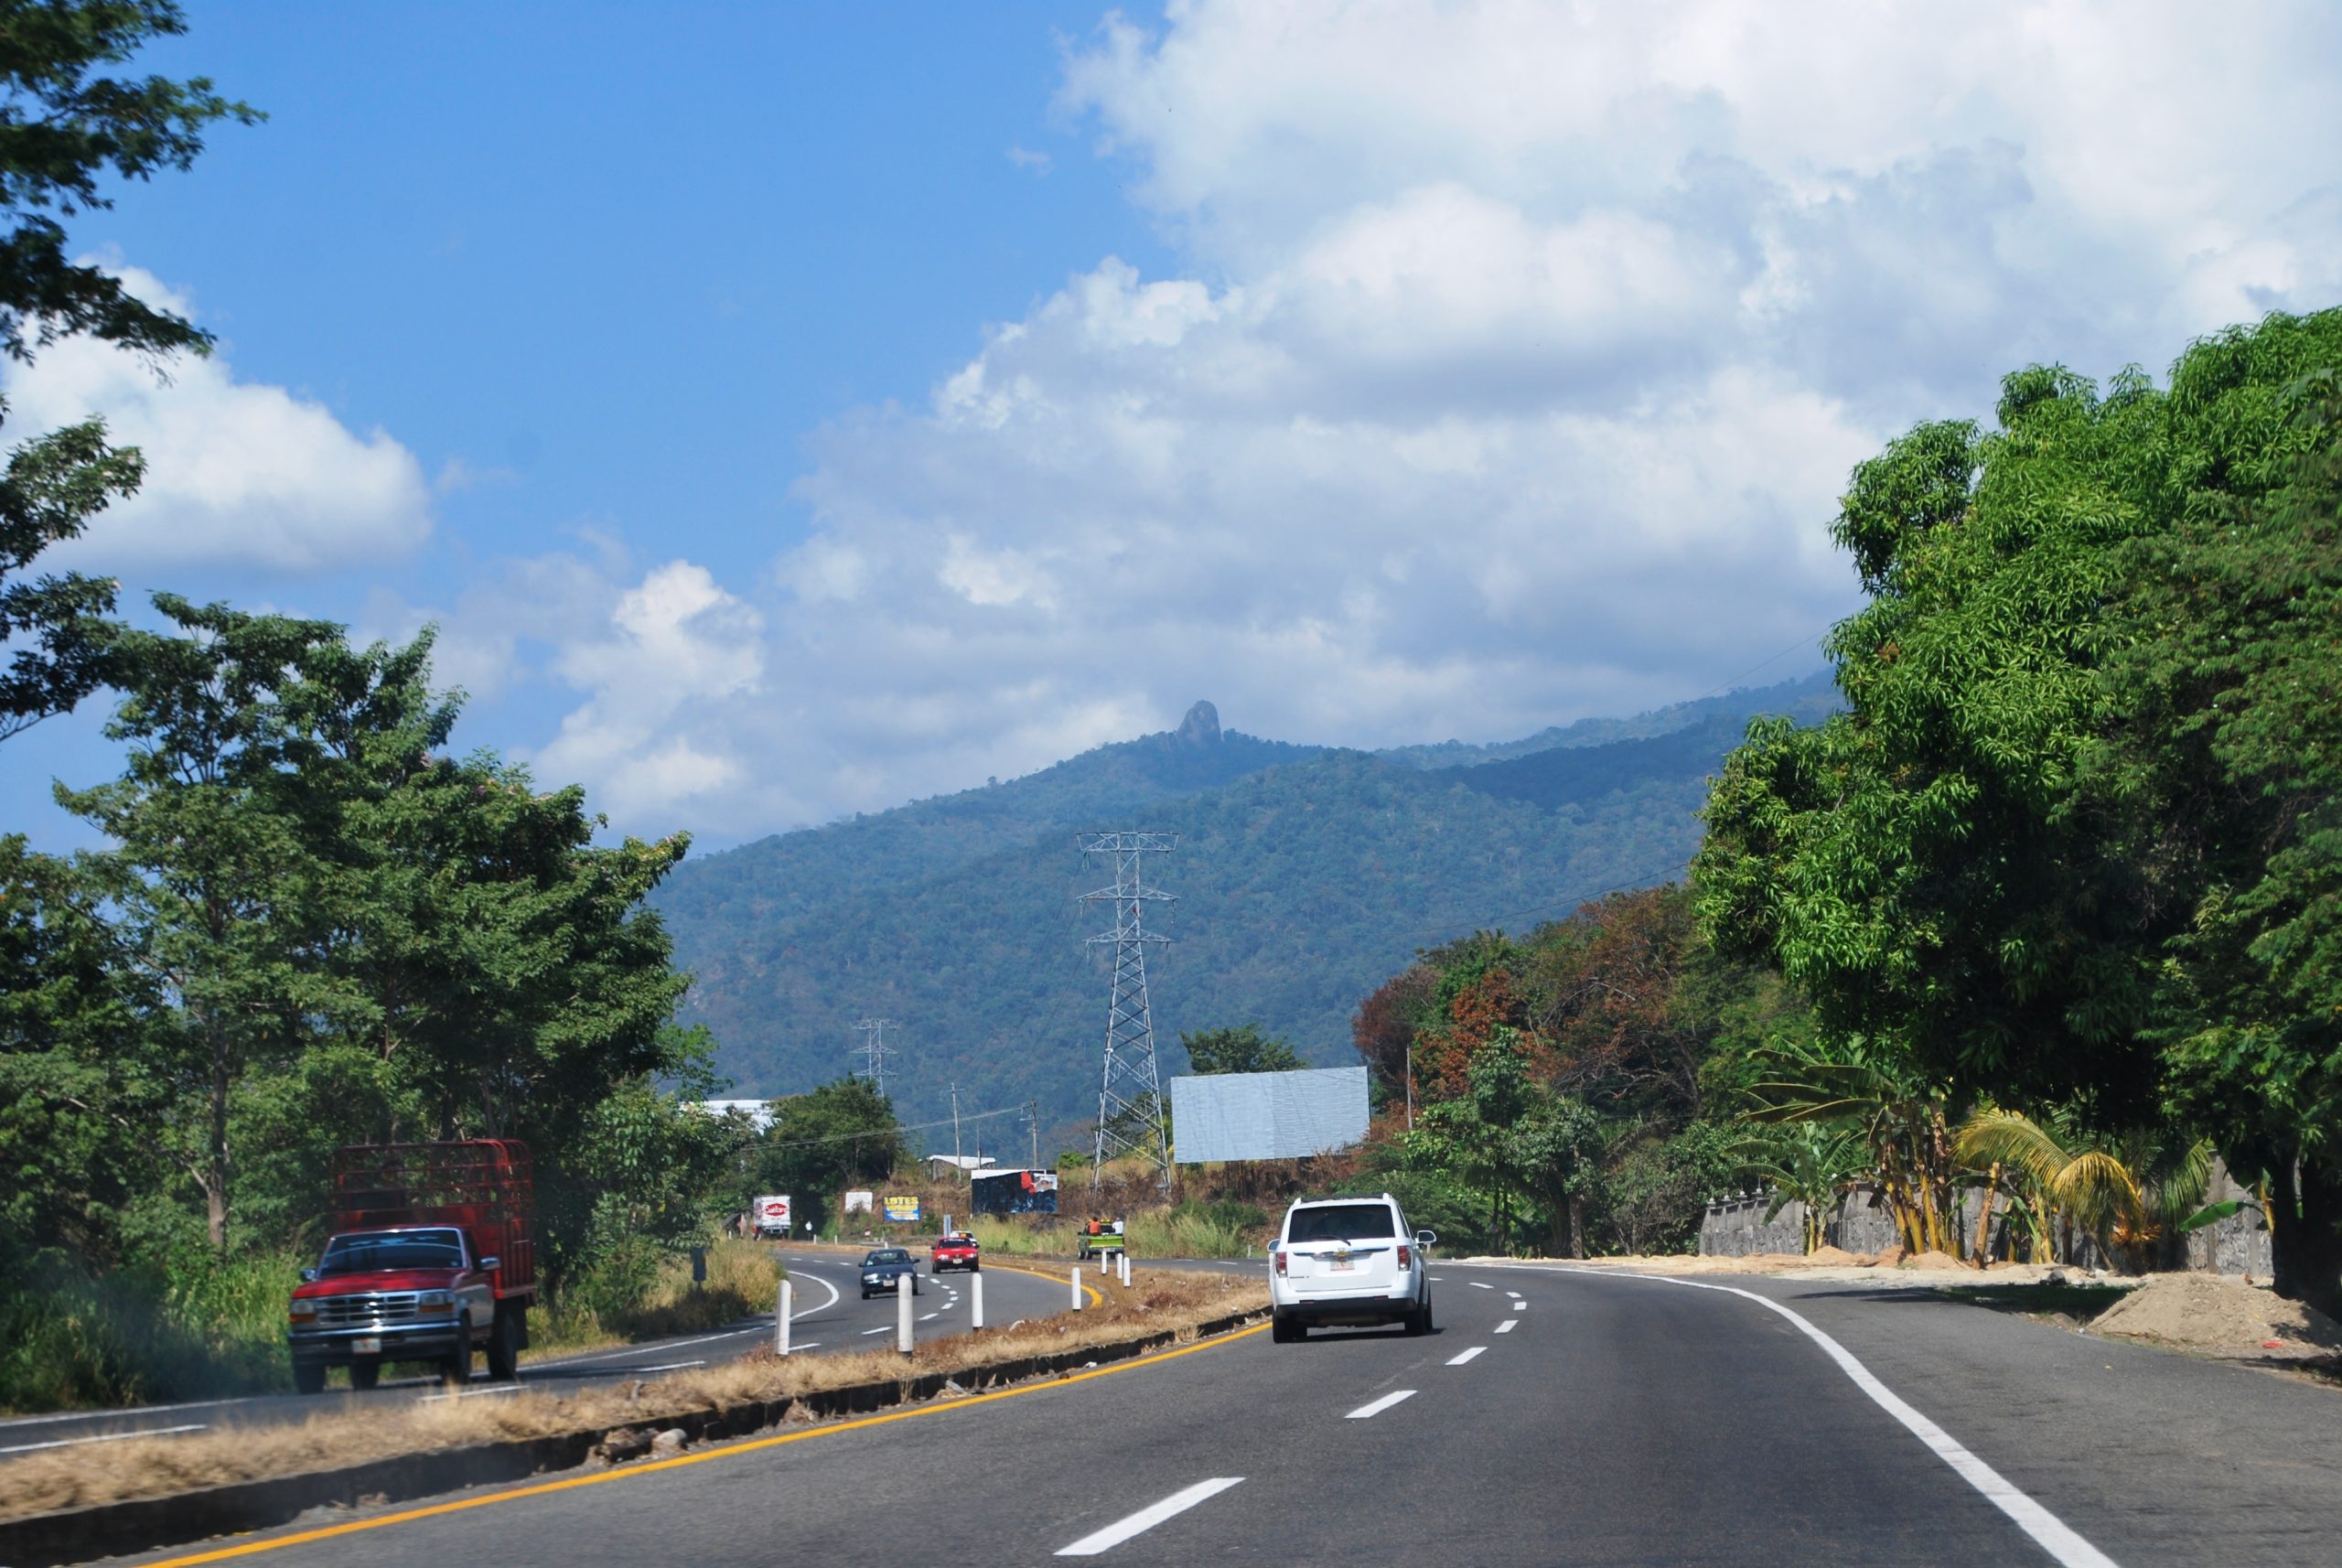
{"points": [[1347, 1261]]}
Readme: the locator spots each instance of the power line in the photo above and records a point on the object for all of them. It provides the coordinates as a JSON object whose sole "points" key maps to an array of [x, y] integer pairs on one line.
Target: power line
{"points": [[899, 1127]]}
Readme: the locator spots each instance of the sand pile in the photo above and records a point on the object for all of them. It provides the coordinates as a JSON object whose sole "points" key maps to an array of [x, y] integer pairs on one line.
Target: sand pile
{"points": [[1837, 1258], [2224, 1317], [1933, 1260]]}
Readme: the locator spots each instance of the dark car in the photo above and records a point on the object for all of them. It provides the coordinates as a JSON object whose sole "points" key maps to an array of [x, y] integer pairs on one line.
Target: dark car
{"points": [[955, 1250], [881, 1266]]}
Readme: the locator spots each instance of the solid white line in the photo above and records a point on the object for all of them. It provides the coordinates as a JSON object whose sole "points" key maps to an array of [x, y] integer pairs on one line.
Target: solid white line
{"points": [[103, 1437], [1508, 1325], [1379, 1406], [638, 1349], [807, 1312], [672, 1366], [2048, 1532], [1482, 1284], [1459, 1360], [1147, 1518], [476, 1393]]}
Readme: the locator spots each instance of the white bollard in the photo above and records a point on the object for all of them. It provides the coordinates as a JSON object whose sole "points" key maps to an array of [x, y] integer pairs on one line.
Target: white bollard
{"points": [[903, 1312], [1127, 1271], [1076, 1288], [976, 1301], [780, 1321]]}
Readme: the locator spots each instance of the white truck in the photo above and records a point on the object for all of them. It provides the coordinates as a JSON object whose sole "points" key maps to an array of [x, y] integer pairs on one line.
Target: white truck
{"points": [[771, 1216]]}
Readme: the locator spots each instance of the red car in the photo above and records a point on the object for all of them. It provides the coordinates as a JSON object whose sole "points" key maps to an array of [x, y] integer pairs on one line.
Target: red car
{"points": [[954, 1249]]}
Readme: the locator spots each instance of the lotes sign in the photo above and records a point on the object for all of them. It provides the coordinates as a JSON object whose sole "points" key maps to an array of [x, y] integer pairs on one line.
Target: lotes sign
{"points": [[1013, 1192], [1267, 1115], [901, 1210]]}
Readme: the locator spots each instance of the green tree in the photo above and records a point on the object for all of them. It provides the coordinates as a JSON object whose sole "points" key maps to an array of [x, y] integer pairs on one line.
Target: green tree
{"points": [[65, 130], [2067, 845], [1242, 1048], [838, 1135]]}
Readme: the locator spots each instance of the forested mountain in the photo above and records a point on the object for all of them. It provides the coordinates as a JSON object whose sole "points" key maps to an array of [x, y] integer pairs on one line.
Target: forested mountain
{"points": [[1303, 875]]}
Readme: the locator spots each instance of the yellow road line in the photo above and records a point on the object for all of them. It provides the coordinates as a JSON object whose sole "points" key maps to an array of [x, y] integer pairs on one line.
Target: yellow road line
{"points": [[1090, 1290], [729, 1451]]}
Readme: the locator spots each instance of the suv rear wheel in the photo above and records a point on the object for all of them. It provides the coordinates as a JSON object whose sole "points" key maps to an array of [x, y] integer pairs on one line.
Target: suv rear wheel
{"points": [[1284, 1330]]}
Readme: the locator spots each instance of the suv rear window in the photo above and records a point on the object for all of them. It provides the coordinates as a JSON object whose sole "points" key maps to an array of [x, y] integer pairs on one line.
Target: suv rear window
{"points": [[1341, 1222]]}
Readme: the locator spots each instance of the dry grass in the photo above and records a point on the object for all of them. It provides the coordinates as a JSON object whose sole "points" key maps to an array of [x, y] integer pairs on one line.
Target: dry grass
{"points": [[160, 1467]]}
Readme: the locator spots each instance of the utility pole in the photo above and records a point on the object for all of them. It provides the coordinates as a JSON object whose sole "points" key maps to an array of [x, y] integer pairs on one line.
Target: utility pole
{"points": [[1130, 1091], [1033, 1123], [873, 1051], [955, 1131]]}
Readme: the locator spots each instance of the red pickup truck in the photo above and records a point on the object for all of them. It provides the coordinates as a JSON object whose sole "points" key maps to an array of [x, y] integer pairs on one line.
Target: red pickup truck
{"points": [[431, 1261], [955, 1250]]}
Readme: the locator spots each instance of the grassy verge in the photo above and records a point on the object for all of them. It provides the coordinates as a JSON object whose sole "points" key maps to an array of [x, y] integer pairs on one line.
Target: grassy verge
{"points": [[1190, 1230], [743, 1280], [162, 1466]]}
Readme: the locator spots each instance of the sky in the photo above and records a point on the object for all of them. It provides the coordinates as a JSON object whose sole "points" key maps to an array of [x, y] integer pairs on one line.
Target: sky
{"points": [[783, 412]]}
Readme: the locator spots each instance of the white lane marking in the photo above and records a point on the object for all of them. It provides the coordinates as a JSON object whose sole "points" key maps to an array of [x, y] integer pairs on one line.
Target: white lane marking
{"points": [[882, 1328], [1508, 1325], [1147, 1518], [476, 1393], [1514, 1293], [1439, 1279], [638, 1349], [807, 1312], [809, 1345], [104, 1438], [1459, 1360], [926, 1316], [672, 1367], [1365, 1411], [1520, 1306], [15, 1421], [1482, 1284], [2048, 1532]]}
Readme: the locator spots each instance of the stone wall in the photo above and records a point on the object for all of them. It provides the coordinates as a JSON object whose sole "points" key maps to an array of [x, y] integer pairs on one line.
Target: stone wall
{"points": [[1735, 1227]]}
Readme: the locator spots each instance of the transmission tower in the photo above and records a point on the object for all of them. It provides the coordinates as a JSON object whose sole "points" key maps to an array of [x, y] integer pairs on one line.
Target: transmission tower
{"points": [[1131, 1114], [873, 1051]]}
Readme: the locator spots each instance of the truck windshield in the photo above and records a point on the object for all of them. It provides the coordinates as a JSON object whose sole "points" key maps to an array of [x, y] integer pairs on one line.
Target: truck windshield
{"points": [[405, 1250]]}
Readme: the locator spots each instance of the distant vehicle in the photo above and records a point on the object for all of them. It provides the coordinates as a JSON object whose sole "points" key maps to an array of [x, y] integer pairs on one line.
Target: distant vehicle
{"points": [[772, 1217], [1347, 1261], [881, 1266], [431, 1261], [1100, 1239], [955, 1250]]}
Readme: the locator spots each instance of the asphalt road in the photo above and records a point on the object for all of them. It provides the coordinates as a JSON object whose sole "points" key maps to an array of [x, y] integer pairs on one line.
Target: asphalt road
{"points": [[1557, 1417], [827, 1315]]}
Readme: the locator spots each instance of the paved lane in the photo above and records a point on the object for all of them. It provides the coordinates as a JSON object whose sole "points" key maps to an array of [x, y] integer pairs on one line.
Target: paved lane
{"points": [[1603, 1420], [828, 1315]]}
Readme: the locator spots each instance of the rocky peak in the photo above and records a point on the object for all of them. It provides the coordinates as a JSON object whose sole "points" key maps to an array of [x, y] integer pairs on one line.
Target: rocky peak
{"points": [[1200, 727]]}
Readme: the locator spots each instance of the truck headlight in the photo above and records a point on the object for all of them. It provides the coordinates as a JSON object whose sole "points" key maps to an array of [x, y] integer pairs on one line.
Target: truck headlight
{"points": [[435, 1301], [302, 1311]]}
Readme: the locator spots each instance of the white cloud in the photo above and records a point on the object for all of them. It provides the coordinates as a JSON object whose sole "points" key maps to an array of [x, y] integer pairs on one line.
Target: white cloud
{"points": [[1516, 356], [238, 474]]}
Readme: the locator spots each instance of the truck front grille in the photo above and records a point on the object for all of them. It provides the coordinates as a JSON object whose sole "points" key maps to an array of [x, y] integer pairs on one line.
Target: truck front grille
{"points": [[372, 1309]]}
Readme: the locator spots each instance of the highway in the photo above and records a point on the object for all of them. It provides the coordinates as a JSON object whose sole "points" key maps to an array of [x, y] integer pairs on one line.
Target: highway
{"points": [[1557, 1417], [828, 1315]]}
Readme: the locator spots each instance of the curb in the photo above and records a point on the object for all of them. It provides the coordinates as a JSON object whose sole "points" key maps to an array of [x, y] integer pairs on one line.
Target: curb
{"points": [[145, 1524]]}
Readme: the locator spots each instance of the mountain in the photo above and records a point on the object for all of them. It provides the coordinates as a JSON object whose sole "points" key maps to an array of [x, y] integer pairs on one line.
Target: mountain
{"points": [[1303, 876]]}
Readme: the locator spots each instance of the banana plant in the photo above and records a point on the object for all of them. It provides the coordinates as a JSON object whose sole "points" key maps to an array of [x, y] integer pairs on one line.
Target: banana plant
{"points": [[1899, 1115], [1807, 1163]]}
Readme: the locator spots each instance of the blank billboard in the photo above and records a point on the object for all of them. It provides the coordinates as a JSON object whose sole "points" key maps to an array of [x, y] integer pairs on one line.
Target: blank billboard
{"points": [[1267, 1115]]}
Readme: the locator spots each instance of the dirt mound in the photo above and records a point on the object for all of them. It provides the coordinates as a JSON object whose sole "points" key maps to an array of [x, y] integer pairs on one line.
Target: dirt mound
{"points": [[1932, 1260], [1888, 1257], [1837, 1258], [2207, 1312]]}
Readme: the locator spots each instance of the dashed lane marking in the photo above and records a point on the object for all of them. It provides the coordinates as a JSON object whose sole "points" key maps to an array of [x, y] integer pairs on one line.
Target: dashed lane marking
{"points": [[1508, 1325], [1367, 1411], [1147, 1518], [1520, 1306], [1459, 1360], [1514, 1293], [1482, 1284]]}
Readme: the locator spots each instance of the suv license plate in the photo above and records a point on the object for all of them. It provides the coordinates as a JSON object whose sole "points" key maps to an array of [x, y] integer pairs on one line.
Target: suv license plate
{"points": [[1338, 1266], [371, 1345]]}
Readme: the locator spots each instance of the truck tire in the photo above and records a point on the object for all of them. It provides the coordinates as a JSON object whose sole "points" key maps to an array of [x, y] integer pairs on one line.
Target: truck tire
{"points": [[456, 1369], [364, 1374], [504, 1345], [309, 1376]]}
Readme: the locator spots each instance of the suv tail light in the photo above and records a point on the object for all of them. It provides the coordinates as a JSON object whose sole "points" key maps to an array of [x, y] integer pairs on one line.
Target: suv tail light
{"points": [[1279, 1255], [1406, 1258]]}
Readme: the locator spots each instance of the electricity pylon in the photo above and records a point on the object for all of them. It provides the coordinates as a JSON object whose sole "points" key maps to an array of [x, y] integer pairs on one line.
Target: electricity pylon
{"points": [[1130, 1112], [873, 1051]]}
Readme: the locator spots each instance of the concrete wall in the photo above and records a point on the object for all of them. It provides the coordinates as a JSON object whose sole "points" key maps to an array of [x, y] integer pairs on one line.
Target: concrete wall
{"points": [[1735, 1226]]}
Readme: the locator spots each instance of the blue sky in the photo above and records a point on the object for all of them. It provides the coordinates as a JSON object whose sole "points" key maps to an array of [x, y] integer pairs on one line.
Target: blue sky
{"points": [[788, 411]]}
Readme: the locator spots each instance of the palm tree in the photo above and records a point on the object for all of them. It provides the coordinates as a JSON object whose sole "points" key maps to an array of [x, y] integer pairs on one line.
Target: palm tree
{"points": [[2130, 1191]]}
